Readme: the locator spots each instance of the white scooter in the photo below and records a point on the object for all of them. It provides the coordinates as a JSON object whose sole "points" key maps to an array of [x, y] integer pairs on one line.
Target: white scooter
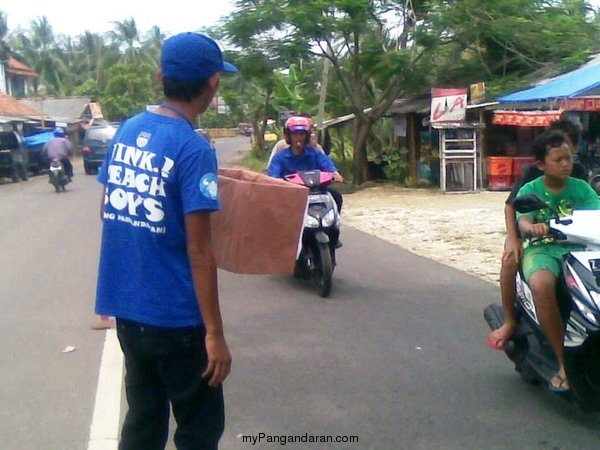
{"points": [[578, 295]]}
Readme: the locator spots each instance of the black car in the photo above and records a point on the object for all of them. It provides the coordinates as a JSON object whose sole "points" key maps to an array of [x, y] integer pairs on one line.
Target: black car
{"points": [[14, 157], [94, 146]]}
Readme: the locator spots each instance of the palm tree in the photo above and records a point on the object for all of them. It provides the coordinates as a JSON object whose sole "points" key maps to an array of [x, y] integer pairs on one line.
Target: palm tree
{"points": [[97, 57], [39, 49], [127, 35]]}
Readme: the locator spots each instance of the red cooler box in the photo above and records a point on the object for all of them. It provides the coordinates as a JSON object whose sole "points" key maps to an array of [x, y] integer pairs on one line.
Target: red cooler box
{"points": [[499, 172], [520, 163]]}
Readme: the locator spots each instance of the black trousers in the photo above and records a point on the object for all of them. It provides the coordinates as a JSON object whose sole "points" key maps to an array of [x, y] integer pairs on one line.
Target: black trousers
{"points": [[67, 166], [164, 365]]}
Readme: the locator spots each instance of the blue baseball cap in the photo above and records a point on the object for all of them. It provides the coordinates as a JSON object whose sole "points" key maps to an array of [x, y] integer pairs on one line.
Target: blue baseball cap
{"points": [[192, 57]]}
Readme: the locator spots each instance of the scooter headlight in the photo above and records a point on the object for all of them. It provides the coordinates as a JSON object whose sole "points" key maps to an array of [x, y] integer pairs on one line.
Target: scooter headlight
{"points": [[310, 221], [329, 218]]}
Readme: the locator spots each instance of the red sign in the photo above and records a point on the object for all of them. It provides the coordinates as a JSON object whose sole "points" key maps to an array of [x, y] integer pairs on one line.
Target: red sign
{"points": [[580, 104], [525, 118]]}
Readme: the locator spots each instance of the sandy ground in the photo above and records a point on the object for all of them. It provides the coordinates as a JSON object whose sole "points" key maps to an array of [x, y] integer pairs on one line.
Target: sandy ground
{"points": [[464, 231]]}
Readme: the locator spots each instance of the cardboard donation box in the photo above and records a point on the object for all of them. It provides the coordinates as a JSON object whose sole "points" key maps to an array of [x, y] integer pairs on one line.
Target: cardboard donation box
{"points": [[258, 229]]}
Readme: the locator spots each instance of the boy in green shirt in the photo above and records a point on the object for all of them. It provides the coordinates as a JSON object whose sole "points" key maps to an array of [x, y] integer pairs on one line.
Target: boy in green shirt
{"points": [[542, 261]]}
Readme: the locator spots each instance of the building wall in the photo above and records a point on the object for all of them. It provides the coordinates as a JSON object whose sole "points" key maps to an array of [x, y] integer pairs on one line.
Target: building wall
{"points": [[3, 84]]}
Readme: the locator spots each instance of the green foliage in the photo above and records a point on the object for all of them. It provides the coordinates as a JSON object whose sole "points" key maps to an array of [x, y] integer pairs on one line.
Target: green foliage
{"points": [[396, 165], [128, 91], [256, 159], [503, 41], [88, 87]]}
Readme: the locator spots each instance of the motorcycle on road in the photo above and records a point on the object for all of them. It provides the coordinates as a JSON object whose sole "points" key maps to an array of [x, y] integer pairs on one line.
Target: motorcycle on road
{"points": [[57, 176], [320, 235], [578, 296]]}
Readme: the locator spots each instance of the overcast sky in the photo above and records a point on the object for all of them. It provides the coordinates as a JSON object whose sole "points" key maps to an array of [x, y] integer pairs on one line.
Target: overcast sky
{"points": [[74, 18]]}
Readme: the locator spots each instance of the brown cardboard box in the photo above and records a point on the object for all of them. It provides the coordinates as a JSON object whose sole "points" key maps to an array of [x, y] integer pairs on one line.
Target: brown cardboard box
{"points": [[257, 230]]}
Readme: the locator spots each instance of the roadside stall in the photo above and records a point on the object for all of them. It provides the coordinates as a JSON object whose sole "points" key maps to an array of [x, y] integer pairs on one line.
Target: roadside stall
{"points": [[459, 140], [521, 116]]}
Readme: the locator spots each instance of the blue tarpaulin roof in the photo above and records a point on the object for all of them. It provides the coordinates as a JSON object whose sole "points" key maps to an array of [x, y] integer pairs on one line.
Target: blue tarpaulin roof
{"points": [[565, 86], [38, 139]]}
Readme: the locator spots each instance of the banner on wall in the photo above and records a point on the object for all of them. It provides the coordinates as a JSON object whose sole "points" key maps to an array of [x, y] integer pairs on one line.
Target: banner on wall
{"points": [[525, 118], [580, 104]]}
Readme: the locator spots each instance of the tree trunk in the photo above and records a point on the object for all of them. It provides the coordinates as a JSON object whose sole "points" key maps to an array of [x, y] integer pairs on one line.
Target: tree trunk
{"points": [[340, 132], [259, 135], [362, 127]]}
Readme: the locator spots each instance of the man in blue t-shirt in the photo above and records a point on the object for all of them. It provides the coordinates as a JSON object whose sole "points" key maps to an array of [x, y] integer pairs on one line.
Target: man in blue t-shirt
{"points": [[157, 273], [301, 156]]}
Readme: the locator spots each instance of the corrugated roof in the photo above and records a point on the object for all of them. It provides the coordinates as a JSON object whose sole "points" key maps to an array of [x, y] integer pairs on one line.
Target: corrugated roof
{"points": [[10, 106], [418, 104], [568, 85], [63, 109]]}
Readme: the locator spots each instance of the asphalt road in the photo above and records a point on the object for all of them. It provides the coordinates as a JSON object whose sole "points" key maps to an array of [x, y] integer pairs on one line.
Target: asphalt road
{"points": [[395, 356]]}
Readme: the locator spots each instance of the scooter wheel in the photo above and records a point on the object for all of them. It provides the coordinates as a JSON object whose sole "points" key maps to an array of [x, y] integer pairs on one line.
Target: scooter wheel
{"points": [[324, 271]]}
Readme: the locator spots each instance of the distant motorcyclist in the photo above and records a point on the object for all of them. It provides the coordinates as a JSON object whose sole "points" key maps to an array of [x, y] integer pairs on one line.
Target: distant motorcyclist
{"points": [[60, 148]]}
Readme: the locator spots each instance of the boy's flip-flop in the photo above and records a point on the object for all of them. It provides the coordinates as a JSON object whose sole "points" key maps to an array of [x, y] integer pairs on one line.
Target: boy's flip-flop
{"points": [[562, 386], [496, 343]]}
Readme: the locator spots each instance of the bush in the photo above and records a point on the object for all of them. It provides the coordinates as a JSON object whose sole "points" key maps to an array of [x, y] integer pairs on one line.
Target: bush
{"points": [[396, 165]]}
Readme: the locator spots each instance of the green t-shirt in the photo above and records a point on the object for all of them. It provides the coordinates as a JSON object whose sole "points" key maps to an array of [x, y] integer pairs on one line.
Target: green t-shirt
{"points": [[577, 194]]}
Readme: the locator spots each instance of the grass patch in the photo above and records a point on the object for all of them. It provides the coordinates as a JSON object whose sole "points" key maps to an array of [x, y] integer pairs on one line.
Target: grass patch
{"points": [[256, 163]]}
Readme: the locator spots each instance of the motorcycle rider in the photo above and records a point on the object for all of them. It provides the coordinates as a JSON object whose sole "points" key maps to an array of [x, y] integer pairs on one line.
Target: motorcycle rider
{"points": [[283, 144], [299, 155], [542, 259], [60, 148], [513, 250]]}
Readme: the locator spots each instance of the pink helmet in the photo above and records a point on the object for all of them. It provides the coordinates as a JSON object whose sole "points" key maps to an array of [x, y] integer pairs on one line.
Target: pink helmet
{"points": [[295, 124]]}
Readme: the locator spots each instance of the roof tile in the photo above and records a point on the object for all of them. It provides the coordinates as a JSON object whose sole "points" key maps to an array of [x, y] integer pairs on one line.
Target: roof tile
{"points": [[10, 106]]}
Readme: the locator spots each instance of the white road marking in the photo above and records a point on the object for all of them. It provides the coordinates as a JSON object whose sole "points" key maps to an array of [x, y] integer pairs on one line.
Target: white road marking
{"points": [[104, 431]]}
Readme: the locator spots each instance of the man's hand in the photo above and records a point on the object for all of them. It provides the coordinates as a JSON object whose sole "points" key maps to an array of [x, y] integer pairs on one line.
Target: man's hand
{"points": [[537, 229], [513, 251], [219, 359], [338, 177]]}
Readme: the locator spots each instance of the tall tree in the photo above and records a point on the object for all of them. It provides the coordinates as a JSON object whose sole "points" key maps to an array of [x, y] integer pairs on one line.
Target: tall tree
{"points": [[372, 64], [503, 41], [128, 91], [97, 57], [127, 36], [38, 47], [382, 49]]}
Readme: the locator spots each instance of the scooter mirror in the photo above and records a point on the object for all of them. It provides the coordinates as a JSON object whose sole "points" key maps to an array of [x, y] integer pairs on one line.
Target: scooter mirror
{"points": [[529, 202]]}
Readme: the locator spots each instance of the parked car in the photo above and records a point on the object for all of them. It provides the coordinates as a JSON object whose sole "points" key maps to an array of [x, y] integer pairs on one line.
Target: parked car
{"points": [[94, 147], [14, 156]]}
